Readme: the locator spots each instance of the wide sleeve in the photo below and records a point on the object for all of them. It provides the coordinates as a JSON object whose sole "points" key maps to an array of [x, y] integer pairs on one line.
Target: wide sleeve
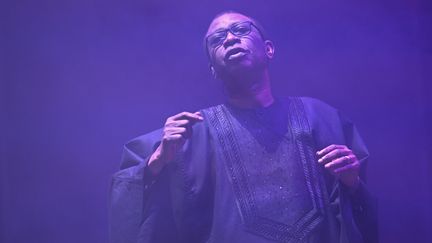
{"points": [[360, 205], [138, 202], [357, 210]]}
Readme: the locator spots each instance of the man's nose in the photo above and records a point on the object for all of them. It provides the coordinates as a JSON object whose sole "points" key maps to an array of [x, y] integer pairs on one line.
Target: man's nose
{"points": [[231, 39]]}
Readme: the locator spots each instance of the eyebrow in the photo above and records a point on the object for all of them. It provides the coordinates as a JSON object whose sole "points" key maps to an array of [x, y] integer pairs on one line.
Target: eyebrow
{"points": [[217, 30], [224, 29]]}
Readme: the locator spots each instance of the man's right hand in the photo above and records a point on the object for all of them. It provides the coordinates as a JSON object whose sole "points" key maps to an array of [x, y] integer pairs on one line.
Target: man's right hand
{"points": [[177, 130]]}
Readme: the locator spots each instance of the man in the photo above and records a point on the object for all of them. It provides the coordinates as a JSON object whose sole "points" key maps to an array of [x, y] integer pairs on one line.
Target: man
{"points": [[255, 169]]}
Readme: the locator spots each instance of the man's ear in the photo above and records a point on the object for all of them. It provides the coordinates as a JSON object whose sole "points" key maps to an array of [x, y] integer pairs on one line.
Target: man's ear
{"points": [[269, 49], [213, 71]]}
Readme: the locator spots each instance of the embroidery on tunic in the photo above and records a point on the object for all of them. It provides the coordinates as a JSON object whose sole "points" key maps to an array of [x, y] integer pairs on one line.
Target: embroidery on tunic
{"points": [[248, 202]]}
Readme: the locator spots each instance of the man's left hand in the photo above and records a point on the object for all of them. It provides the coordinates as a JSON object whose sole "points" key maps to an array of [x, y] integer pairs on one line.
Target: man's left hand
{"points": [[340, 161]]}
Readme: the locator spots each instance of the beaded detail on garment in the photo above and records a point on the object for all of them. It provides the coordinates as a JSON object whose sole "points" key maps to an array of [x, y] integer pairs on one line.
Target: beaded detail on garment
{"points": [[272, 169]]}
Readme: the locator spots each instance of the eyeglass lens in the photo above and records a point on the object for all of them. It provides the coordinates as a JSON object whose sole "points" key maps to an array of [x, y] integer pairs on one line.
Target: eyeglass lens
{"points": [[238, 29]]}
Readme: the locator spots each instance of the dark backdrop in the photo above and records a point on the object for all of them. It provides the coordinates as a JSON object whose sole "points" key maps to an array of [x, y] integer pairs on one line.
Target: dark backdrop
{"points": [[80, 78]]}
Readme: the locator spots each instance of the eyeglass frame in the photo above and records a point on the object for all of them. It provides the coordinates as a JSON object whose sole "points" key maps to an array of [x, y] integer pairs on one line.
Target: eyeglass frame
{"points": [[225, 30]]}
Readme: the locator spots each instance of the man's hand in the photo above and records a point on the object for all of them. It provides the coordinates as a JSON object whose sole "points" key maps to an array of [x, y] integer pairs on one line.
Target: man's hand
{"points": [[340, 161], [176, 130]]}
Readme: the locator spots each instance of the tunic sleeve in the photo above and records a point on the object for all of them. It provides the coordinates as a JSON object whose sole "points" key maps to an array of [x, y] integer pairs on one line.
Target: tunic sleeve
{"points": [[356, 212], [363, 204], [138, 202]]}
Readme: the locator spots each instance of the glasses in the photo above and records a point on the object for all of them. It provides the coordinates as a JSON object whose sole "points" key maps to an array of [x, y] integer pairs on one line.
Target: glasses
{"points": [[238, 29]]}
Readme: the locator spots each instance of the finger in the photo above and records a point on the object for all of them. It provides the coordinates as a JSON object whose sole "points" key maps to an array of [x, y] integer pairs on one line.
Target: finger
{"points": [[177, 141], [179, 123], [339, 162], [175, 130], [186, 132], [337, 153], [329, 149], [187, 115], [171, 138], [348, 167]]}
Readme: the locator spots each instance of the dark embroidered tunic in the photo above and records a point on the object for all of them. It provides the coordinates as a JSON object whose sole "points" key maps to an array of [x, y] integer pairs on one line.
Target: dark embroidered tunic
{"points": [[246, 175]]}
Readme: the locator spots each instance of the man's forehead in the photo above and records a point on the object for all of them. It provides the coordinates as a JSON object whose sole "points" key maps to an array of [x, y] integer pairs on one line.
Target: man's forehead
{"points": [[226, 20]]}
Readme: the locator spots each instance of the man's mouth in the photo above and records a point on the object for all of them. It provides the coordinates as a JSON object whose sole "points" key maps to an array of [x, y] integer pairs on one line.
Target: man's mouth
{"points": [[235, 53]]}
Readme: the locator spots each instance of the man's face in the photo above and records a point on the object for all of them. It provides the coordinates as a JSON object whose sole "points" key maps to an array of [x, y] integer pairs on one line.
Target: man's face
{"points": [[235, 53]]}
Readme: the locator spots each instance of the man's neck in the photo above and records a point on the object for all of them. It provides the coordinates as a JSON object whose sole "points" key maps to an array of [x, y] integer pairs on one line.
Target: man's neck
{"points": [[254, 95]]}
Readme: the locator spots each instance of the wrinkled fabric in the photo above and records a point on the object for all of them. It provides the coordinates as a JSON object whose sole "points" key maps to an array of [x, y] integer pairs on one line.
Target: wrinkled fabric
{"points": [[246, 175]]}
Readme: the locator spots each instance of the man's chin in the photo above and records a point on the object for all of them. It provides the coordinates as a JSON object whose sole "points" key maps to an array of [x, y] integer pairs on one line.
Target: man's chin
{"points": [[236, 72], [239, 65]]}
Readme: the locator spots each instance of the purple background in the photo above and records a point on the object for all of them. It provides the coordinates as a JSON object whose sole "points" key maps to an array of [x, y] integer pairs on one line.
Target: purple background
{"points": [[80, 78]]}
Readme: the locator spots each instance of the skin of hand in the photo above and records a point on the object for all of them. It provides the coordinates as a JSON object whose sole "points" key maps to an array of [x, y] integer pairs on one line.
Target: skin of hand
{"points": [[340, 161], [176, 131]]}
